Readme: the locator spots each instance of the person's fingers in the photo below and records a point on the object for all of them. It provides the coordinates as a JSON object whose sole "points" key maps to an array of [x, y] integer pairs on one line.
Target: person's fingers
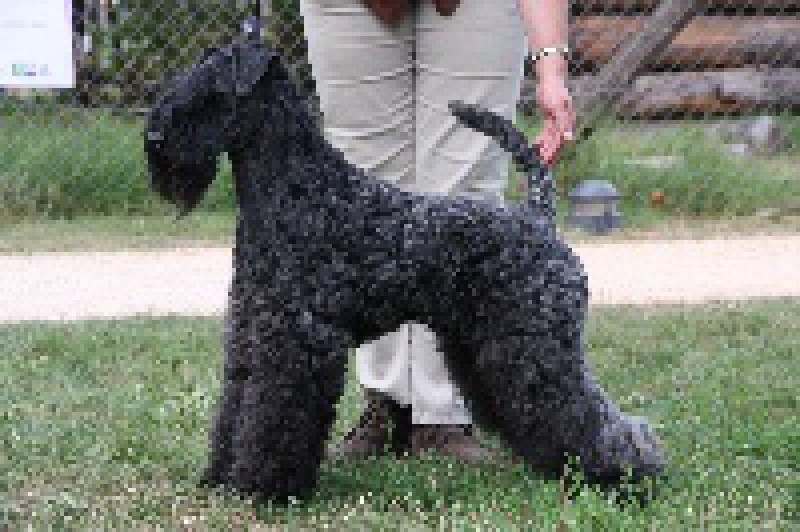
{"points": [[558, 128], [545, 143], [547, 153], [552, 140], [563, 119], [573, 116], [540, 148]]}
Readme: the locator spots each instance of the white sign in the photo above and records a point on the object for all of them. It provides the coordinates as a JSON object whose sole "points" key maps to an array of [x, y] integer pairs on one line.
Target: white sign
{"points": [[36, 44]]}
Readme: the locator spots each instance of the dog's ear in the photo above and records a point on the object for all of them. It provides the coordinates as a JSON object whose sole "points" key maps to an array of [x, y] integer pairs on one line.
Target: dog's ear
{"points": [[245, 64]]}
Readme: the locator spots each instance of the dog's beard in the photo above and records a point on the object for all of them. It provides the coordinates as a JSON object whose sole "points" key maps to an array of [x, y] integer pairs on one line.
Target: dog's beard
{"points": [[181, 182], [182, 156]]}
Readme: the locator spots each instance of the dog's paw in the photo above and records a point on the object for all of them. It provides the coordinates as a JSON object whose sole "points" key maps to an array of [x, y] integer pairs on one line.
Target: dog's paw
{"points": [[647, 448], [627, 447]]}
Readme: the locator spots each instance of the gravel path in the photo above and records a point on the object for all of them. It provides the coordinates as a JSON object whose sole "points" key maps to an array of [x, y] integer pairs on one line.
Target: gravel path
{"points": [[194, 282]]}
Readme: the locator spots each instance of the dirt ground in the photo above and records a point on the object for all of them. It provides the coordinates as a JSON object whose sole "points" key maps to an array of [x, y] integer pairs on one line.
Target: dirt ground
{"points": [[194, 281]]}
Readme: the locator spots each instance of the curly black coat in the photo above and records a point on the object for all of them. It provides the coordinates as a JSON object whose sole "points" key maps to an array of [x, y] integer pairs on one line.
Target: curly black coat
{"points": [[327, 258]]}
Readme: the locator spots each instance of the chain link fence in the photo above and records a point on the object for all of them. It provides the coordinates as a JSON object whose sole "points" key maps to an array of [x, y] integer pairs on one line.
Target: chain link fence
{"points": [[671, 135]]}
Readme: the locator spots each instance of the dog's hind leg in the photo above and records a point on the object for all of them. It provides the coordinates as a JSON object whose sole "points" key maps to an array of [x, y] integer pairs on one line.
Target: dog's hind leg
{"points": [[547, 406], [296, 376]]}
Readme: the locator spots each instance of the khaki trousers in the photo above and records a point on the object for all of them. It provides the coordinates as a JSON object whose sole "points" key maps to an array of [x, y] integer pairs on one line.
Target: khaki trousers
{"points": [[384, 93]]}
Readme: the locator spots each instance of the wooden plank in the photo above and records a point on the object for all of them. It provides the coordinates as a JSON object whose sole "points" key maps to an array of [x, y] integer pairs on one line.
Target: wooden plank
{"points": [[703, 5], [729, 91], [706, 42], [669, 19]]}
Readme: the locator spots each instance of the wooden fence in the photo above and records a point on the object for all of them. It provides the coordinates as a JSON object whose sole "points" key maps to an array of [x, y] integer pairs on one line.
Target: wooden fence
{"points": [[732, 56]]}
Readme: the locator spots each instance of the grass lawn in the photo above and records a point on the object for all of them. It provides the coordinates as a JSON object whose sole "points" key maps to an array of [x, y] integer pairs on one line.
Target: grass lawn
{"points": [[103, 425], [75, 180], [98, 233]]}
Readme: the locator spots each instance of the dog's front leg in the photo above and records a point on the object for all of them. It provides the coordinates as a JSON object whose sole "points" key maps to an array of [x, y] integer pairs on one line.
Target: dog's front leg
{"points": [[233, 378], [234, 372], [287, 405]]}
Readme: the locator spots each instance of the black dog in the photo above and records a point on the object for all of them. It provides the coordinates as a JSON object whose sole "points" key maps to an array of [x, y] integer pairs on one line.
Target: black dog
{"points": [[327, 258]]}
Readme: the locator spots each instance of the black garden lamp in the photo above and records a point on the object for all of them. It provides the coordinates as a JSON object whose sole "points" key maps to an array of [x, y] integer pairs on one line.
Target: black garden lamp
{"points": [[593, 206]]}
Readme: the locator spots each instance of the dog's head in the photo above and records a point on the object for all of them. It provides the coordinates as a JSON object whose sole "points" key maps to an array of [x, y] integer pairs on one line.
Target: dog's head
{"points": [[199, 115]]}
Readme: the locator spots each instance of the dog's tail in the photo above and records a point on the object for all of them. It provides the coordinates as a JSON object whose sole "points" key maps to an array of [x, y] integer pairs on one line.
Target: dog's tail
{"points": [[540, 185]]}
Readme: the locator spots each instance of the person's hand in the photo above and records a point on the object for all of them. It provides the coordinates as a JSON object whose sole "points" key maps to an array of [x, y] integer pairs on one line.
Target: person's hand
{"points": [[555, 106]]}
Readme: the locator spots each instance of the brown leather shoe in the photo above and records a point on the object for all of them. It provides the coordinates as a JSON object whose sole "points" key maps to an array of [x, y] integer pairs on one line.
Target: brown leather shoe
{"points": [[455, 441], [371, 435]]}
